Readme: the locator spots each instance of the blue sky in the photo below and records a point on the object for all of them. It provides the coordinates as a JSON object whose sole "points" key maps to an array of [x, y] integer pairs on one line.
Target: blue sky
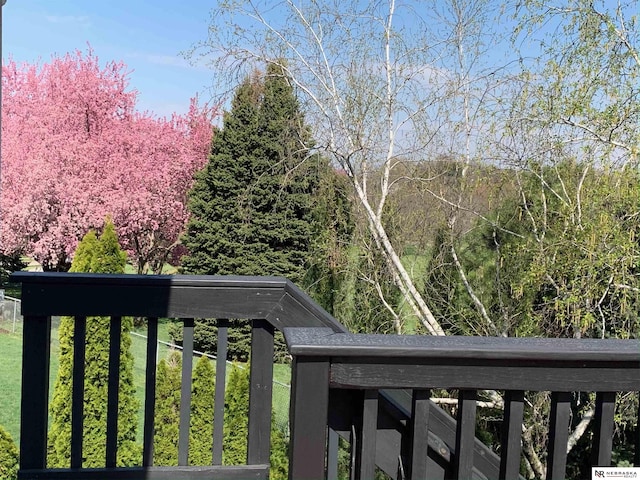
{"points": [[146, 35]]}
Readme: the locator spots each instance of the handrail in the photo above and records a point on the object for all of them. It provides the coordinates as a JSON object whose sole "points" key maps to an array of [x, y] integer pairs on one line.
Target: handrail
{"points": [[274, 299], [269, 303], [352, 363], [276, 302]]}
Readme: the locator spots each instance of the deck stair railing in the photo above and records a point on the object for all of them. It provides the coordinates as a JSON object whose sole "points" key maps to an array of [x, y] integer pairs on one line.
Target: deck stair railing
{"points": [[352, 386], [349, 375]]}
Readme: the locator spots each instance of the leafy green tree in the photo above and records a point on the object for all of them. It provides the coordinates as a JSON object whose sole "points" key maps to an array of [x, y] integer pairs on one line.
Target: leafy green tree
{"points": [[334, 226], [202, 408], [9, 458], [558, 260], [97, 255], [167, 415]]}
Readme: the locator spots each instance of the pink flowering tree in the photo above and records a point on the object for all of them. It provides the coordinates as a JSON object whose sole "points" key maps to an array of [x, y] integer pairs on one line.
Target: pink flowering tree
{"points": [[75, 151]]}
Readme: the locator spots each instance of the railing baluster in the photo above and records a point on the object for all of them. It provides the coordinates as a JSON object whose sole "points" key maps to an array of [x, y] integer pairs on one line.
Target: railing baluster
{"points": [[603, 429], [36, 349], [77, 395], [150, 391], [260, 393], [636, 456], [332, 455], [558, 435], [366, 448], [465, 433], [308, 419], [419, 434], [221, 374], [115, 335], [185, 392], [511, 442]]}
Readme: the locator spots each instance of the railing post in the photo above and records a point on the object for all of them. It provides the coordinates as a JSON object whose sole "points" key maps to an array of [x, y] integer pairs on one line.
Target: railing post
{"points": [[308, 418], [113, 395], [636, 455], [419, 434], [218, 404], [77, 391], [150, 391], [260, 392], [332, 455], [603, 429], [36, 343]]}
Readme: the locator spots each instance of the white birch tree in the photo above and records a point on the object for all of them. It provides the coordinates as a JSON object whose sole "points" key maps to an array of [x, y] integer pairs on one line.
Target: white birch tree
{"points": [[373, 77]]}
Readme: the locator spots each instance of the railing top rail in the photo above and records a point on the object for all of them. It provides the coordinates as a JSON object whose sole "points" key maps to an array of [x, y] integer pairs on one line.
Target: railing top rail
{"points": [[275, 299], [98, 280], [324, 342]]}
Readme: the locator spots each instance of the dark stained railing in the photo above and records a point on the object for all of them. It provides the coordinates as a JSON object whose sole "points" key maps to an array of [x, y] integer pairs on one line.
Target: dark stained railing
{"points": [[349, 375], [372, 391], [270, 303]]}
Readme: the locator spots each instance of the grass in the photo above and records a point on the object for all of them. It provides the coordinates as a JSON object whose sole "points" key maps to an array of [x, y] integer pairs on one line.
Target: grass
{"points": [[10, 379], [10, 362], [11, 368]]}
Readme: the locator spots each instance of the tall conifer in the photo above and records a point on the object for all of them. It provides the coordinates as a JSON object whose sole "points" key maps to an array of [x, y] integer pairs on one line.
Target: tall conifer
{"points": [[202, 408], [167, 415], [252, 205], [96, 255]]}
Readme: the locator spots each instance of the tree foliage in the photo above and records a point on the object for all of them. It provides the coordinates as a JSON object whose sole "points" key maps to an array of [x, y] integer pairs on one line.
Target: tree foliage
{"points": [[236, 427], [236, 417], [202, 410], [167, 419], [251, 206], [9, 457], [255, 206], [75, 149], [97, 255], [383, 84]]}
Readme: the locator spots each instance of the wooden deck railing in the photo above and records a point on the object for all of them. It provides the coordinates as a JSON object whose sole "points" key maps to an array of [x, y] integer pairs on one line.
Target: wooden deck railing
{"points": [[268, 303], [371, 390], [345, 374]]}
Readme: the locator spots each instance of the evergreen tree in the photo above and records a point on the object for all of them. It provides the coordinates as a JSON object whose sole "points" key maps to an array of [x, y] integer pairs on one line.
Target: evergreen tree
{"points": [[202, 397], [236, 417], [167, 415], [97, 255], [9, 458], [253, 207], [326, 277], [236, 427]]}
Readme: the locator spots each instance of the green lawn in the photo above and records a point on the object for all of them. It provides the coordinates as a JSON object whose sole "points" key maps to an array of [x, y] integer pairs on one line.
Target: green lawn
{"points": [[11, 363], [10, 378]]}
